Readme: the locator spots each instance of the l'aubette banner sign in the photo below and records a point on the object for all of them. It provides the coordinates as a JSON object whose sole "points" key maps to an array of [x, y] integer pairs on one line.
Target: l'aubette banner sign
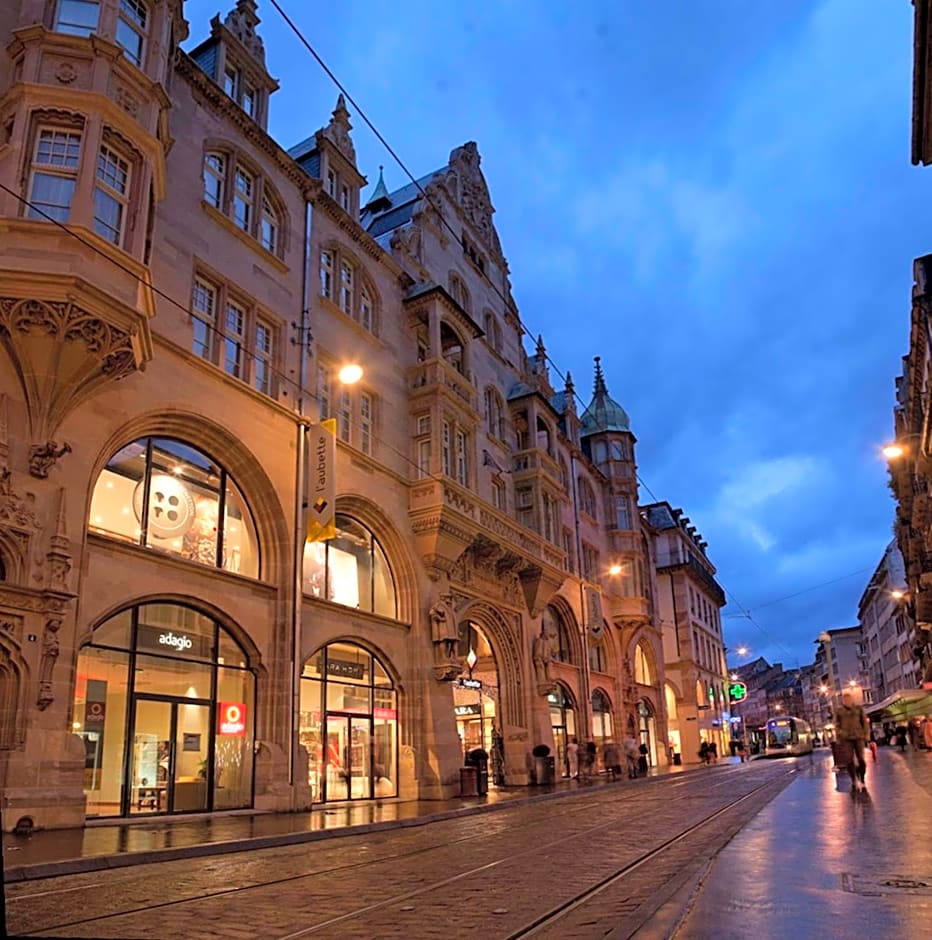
{"points": [[322, 484]]}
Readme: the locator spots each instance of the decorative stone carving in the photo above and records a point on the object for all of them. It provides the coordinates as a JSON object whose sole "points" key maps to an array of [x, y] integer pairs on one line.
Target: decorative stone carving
{"points": [[59, 553], [443, 631], [337, 131], [472, 193], [66, 73], [11, 625], [50, 651], [127, 101], [18, 512], [45, 340], [242, 22], [542, 655], [42, 457]]}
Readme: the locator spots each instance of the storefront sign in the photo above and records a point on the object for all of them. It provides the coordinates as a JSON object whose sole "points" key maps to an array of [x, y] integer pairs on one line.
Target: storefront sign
{"points": [[190, 742], [94, 715], [338, 667], [231, 718], [470, 683], [322, 488], [174, 643], [462, 710], [385, 714]]}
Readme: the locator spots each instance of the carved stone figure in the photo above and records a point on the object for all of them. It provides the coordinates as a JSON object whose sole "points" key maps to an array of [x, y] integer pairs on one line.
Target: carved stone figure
{"points": [[42, 457], [443, 628], [50, 651], [542, 654]]}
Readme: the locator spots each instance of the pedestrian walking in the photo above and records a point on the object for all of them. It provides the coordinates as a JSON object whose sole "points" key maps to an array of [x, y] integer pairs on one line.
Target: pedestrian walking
{"points": [[612, 757], [852, 730], [589, 759], [742, 751], [642, 760], [873, 747], [631, 756], [572, 758], [704, 752]]}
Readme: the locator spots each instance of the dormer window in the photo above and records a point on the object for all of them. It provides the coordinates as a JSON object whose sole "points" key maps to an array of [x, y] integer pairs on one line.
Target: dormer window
{"points": [[132, 24], [77, 17], [344, 198], [331, 184], [238, 88]]}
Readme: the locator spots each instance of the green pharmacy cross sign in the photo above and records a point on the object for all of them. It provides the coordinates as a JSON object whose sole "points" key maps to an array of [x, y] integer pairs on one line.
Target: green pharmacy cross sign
{"points": [[737, 692]]}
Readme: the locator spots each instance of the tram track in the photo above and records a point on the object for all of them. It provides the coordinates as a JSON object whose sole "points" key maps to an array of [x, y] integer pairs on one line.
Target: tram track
{"points": [[571, 809]]}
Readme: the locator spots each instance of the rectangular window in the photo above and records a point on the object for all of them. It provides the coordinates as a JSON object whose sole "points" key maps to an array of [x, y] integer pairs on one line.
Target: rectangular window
{"points": [[77, 17], [446, 454], [231, 82], [242, 199], [214, 172], [590, 563], [234, 325], [345, 198], [622, 513], [423, 425], [204, 307], [131, 29], [365, 309], [268, 228], [365, 422], [462, 460], [346, 288], [331, 184], [326, 274], [324, 392], [569, 549], [249, 101], [110, 195], [498, 495], [345, 417], [54, 173], [423, 458], [264, 351]]}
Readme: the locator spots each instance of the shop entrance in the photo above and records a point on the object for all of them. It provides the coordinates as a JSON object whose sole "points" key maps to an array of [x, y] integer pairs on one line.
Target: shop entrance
{"points": [[475, 701], [563, 723], [171, 742], [349, 749]]}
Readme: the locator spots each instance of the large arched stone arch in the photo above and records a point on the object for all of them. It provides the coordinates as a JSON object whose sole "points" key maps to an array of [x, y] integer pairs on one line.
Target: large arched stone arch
{"points": [[509, 660], [386, 662], [562, 606], [399, 559], [271, 520]]}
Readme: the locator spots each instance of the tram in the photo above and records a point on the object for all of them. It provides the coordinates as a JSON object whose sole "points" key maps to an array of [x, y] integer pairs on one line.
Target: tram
{"points": [[787, 736]]}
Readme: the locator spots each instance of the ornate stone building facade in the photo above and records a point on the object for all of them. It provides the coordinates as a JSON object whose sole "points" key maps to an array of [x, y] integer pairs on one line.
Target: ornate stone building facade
{"points": [[178, 294], [690, 601]]}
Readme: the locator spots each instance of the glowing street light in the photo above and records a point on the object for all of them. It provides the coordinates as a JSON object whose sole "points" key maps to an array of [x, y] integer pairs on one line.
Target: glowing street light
{"points": [[898, 595], [893, 451], [350, 374], [742, 651], [615, 570]]}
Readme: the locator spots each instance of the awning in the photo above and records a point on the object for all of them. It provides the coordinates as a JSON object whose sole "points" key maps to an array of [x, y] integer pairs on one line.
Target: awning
{"points": [[906, 703]]}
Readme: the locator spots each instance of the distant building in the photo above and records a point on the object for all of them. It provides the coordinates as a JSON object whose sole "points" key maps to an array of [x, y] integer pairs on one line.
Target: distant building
{"points": [[887, 629], [842, 661], [772, 691], [689, 600]]}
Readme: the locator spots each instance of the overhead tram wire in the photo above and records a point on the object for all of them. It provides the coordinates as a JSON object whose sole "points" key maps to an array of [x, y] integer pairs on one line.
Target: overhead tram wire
{"points": [[184, 308], [509, 303]]}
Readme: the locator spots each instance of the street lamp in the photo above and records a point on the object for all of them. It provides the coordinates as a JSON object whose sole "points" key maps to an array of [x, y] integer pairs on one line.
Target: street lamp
{"points": [[350, 373], [742, 651]]}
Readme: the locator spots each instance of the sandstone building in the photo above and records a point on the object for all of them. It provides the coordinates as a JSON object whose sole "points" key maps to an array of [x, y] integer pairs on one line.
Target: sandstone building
{"points": [[178, 294]]}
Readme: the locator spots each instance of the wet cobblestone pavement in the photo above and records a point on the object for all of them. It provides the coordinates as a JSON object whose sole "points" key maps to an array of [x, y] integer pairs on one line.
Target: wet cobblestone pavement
{"points": [[820, 861]]}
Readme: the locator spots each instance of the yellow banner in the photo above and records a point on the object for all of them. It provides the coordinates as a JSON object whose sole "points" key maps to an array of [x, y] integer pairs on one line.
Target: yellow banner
{"points": [[322, 484]]}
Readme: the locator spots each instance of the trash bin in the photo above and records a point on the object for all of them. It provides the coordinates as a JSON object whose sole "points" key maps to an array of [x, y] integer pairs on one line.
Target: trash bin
{"points": [[677, 759], [468, 781], [545, 770], [479, 759]]}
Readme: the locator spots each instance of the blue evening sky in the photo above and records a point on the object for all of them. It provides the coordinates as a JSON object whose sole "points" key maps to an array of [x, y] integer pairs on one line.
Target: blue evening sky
{"points": [[715, 196]]}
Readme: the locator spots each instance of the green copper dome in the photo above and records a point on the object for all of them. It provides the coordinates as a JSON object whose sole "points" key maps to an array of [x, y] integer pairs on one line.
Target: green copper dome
{"points": [[603, 413]]}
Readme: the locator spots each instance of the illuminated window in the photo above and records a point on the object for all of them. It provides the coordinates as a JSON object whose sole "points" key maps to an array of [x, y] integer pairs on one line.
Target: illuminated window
{"points": [[350, 569], [642, 670], [344, 282], [169, 496]]}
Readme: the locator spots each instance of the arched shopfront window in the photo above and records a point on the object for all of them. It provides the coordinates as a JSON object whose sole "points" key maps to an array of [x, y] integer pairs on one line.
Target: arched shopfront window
{"points": [[169, 496], [601, 718], [349, 725], [164, 701], [351, 569], [642, 670]]}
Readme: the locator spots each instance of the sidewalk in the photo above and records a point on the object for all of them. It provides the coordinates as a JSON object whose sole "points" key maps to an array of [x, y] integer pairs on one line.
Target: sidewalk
{"points": [[162, 838], [819, 861]]}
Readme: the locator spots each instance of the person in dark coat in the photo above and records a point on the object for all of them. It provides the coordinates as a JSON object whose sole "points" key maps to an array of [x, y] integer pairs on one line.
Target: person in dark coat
{"points": [[642, 760]]}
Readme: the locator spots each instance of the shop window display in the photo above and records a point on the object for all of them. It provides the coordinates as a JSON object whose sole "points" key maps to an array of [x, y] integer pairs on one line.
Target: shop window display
{"points": [[350, 569], [171, 497], [165, 706], [348, 725]]}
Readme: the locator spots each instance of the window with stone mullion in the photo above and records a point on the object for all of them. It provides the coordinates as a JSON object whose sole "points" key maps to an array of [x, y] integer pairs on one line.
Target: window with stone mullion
{"points": [[54, 173]]}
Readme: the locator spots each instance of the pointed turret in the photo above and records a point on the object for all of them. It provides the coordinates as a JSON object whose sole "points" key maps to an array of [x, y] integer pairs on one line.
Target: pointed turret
{"points": [[603, 413], [380, 200]]}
